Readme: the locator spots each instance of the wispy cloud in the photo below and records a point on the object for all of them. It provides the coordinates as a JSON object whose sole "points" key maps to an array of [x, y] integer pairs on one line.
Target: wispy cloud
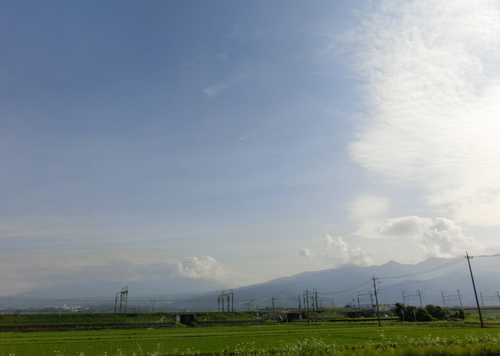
{"points": [[236, 78], [433, 102]]}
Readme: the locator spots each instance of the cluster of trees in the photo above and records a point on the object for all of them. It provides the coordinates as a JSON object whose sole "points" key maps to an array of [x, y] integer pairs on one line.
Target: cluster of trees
{"points": [[429, 313]]}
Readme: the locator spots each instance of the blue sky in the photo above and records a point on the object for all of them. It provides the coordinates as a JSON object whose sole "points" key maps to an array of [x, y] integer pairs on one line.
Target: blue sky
{"points": [[240, 141]]}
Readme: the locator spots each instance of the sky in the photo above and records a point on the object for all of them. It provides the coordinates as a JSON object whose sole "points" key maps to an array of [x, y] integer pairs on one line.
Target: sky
{"points": [[235, 142]]}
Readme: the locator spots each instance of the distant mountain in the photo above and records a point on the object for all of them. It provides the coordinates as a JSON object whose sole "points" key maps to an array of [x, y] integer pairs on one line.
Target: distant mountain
{"points": [[432, 278], [425, 282]]}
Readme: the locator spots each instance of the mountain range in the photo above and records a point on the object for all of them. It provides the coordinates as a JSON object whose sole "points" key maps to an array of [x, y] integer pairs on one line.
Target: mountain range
{"points": [[438, 281]]}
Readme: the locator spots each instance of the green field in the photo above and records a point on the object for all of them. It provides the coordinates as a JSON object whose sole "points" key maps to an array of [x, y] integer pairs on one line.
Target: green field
{"points": [[391, 336]]}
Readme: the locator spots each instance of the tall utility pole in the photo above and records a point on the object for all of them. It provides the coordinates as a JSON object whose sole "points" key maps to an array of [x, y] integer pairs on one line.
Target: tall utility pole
{"points": [[474, 287], [299, 304], [126, 298], [274, 310], [404, 301], [376, 300], [116, 299], [229, 298], [306, 302], [420, 297], [123, 298], [460, 299], [442, 295], [363, 294]]}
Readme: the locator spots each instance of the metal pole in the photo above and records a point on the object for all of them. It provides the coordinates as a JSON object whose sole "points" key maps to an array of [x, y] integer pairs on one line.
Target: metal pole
{"points": [[376, 299], [442, 295], [126, 298], [474, 286], [460, 299], [420, 297]]}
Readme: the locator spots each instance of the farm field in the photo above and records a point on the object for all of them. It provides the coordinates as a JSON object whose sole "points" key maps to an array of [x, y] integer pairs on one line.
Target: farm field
{"points": [[246, 339]]}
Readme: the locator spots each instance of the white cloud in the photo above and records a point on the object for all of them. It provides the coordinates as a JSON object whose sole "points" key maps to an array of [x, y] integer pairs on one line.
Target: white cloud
{"points": [[207, 267], [438, 237], [337, 252], [367, 206], [305, 252], [433, 94], [204, 267], [216, 89], [366, 210]]}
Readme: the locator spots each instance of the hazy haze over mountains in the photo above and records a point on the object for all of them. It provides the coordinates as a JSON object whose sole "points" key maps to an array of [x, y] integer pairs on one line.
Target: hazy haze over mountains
{"points": [[431, 277]]}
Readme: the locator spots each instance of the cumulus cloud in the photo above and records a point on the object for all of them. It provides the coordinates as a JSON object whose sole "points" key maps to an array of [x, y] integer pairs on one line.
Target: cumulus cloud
{"points": [[438, 237], [204, 267], [433, 95], [337, 252]]}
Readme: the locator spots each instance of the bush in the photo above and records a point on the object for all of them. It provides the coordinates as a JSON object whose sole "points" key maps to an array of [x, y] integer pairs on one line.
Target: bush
{"points": [[423, 315], [437, 312], [459, 314]]}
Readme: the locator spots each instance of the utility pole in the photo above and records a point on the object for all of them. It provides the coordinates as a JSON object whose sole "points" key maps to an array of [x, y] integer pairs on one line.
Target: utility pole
{"points": [[306, 302], [126, 298], [460, 299], [482, 300], [404, 301], [121, 299], [442, 295], [274, 310], [299, 304], [116, 300], [420, 297], [376, 300], [474, 286]]}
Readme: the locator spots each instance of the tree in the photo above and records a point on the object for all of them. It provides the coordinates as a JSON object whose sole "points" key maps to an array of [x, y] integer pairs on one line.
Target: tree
{"points": [[401, 311], [437, 312]]}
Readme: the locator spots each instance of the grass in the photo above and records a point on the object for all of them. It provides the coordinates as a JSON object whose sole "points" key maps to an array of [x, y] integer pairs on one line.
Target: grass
{"points": [[292, 339], [81, 319]]}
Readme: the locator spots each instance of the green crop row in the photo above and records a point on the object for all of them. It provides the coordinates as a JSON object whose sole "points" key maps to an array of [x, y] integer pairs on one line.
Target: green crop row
{"points": [[392, 338]]}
